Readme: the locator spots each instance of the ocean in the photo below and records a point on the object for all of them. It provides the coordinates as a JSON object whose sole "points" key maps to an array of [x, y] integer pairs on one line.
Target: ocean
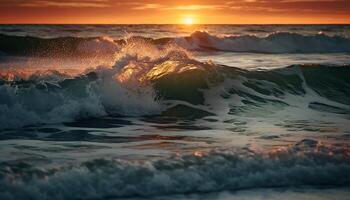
{"points": [[174, 112]]}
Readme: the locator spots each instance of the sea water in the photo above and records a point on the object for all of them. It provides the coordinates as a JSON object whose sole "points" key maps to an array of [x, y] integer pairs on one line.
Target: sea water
{"points": [[174, 112]]}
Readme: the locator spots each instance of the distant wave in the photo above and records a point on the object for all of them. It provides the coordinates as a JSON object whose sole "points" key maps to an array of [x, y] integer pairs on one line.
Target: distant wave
{"points": [[279, 42], [306, 164], [145, 76]]}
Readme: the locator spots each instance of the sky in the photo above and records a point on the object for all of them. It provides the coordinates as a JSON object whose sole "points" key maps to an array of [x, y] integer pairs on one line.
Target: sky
{"points": [[174, 11]]}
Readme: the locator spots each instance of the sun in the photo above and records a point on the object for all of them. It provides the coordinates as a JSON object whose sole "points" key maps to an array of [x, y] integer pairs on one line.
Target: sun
{"points": [[188, 21]]}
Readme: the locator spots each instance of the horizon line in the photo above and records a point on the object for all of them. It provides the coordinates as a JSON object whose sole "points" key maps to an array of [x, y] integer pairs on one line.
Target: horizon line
{"points": [[174, 24]]}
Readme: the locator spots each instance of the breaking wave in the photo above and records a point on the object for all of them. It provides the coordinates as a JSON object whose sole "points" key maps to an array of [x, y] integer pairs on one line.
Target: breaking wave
{"points": [[131, 90], [148, 79]]}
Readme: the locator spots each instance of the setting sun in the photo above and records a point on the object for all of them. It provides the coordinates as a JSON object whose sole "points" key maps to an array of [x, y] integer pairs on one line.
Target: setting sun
{"points": [[188, 21]]}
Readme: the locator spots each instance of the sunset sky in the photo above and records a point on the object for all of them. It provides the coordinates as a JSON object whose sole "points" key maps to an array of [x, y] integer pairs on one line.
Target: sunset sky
{"points": [[175, 11]]}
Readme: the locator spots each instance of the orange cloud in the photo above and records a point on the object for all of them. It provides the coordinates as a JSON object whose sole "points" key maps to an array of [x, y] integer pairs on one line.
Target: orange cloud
{"points": [[178, 7], [147, 6], [77, 4], [196, 7]]}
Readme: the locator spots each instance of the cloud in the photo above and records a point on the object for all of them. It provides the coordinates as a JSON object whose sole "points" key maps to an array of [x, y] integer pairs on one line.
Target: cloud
{"points": [[294, 1], [260, 8], [246, 1], [76, 4], [196, 7], [147, 6], [180, 7], [134, 5], [277, 2]]}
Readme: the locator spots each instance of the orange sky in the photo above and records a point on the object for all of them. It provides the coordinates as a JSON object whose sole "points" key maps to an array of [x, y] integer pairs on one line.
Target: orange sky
{"points": [[175, 11]]}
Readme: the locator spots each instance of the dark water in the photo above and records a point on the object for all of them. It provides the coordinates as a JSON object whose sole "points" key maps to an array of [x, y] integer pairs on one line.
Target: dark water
{"points": [[174, 112]]}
